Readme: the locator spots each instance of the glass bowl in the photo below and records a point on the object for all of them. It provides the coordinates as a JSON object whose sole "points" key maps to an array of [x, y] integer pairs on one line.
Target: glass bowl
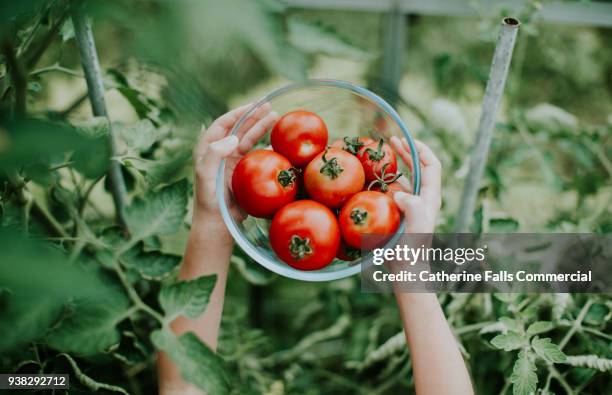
{"points": [[348, 110]]}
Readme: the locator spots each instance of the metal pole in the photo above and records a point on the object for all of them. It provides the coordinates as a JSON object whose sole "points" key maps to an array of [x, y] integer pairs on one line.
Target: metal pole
{"points": [[492, 98], [394, 40], [95, 89]]}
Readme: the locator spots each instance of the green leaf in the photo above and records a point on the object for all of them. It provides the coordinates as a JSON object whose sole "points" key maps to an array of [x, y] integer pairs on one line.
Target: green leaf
{"points": [[187, 298], [160, 213], [252, 271], [547, 350], [506, 297], [67, 30], [510, 324], [197, 363], [597, 314], [151, 265], [25, 320], [143, 105], [509, 341], [539, 327], [90, 329], [39, 172], [164, 170], [37, 270], [94, 127], [503, 225], [314, 39], [140, 136], [11, 9], [94, 163], [24, 141], [524, 375]]}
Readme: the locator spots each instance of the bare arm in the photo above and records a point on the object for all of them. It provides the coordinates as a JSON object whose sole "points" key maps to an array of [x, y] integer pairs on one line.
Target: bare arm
{"points": [[437, 364], [209, 246]]}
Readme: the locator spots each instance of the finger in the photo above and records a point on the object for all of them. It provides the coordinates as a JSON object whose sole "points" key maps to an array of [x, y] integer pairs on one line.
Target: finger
{"points": [[404, 183], [426, 155], [217, 130], [431, 172], [201, 146], [251, 137], [409, 204], [403, 153], [209, 163], [220, 127], [260, 113]]}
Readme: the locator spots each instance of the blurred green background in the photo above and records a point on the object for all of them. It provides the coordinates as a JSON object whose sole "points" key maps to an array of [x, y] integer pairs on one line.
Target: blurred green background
{"points": [[66, 302]]}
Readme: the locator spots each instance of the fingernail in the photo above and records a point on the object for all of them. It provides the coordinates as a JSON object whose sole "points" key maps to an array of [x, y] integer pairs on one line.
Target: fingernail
{"points": [[226, 142]]}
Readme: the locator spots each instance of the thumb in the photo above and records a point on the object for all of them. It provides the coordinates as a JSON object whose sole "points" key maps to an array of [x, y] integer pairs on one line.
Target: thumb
{"points": [[407, 203], [214, 154]]}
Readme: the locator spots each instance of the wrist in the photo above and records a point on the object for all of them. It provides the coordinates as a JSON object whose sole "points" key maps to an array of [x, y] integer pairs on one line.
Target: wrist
{"points": [[210, 226]]}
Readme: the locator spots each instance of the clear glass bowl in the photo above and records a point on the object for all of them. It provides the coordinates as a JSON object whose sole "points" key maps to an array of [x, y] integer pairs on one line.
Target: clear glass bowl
{"points": [[348, 110]]}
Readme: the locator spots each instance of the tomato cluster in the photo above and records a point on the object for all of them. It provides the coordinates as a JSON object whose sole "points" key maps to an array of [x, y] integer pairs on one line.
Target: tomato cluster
{"points": [[343, 191]]}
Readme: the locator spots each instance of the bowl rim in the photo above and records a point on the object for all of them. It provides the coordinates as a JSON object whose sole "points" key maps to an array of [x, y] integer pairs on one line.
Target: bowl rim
{"points": [[252, 251]]}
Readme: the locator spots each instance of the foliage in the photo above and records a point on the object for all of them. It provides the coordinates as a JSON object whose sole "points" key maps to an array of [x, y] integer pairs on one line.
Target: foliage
{"points": [[83, 293]]}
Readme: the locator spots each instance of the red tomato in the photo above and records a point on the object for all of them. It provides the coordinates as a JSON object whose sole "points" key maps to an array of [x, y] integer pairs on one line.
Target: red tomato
{"points": [[263, 182], [368, 212], [333, 177], [353, 145], [374, 156], [305, 235], [299, 136], [346, 253]]}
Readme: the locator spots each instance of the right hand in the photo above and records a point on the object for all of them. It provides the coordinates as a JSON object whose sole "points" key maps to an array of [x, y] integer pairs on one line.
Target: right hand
{"points": [[420, 210]]}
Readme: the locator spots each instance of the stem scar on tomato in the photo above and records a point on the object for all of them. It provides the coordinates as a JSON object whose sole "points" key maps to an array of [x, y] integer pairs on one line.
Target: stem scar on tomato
{"points": [[299, 247], [359, 216], [286, 177], [377, 155], [384, 179], [352, 145], [331, 168]]}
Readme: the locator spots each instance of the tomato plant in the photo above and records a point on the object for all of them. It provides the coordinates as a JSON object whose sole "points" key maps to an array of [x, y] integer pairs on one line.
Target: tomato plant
{"points": [[86, 291], [263, 182], [374, 157], [305, 235], [333, 176], [368, 212], [299, 136]]}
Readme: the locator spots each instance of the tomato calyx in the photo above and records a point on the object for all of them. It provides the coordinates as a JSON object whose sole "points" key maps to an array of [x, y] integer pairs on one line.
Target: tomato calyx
{"points": [[287, 177], [299, 247], [378, 154], [330, 167], [384, 180], [353, 253], [352, 145], [359, 216]]}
